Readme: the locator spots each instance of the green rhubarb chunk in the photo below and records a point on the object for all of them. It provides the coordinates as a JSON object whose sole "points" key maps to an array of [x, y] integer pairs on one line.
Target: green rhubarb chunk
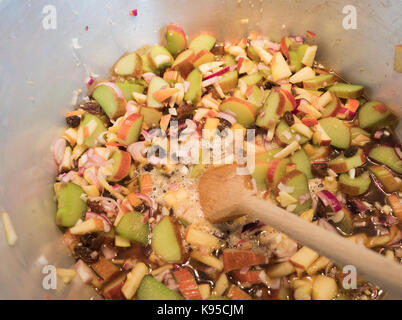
{"points": [[193, 95], [318, 82], [303, 163], [354, 186], [128, 88], [109, 101], [252, 79], [260, 174], [71, 207], [285, 135], [271, 111], [347, 91], [229, 81], [298, 181], [375, 115], [160, 57], [100, 127], [152, 289], [343, 164], [152, 117], [156, 84], [267, 155], [132, 227], [387, 156], [202, 42], [166, 242], [346, 224], [337, 131], [229, 60]]}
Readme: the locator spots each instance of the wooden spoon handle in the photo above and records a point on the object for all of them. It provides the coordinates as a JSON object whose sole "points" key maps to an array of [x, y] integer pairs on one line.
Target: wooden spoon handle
{"points": [[370, 265]]}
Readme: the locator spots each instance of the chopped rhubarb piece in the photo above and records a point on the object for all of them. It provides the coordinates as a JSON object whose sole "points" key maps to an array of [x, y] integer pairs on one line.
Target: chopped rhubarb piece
{"points": [[145, 182], [235, 293], [310, 34], [187, 284], [251, 276], [134, 13], [237, 259]]}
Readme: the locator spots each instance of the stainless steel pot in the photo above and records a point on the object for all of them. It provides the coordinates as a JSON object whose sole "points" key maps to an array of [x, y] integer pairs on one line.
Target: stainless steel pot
{"points": [[39, 70]]}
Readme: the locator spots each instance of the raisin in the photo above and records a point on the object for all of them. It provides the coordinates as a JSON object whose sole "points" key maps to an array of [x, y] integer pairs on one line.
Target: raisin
{"points": [[185, 111], [95, 206], [92, 107], [218, 50], [268, 85], [223, 124], [288, 116], [85, 254], [319, 169], [148, 167], [73, 121], [359, 171], [320, 211], [92, 241], [351, 151], [352, 206]]}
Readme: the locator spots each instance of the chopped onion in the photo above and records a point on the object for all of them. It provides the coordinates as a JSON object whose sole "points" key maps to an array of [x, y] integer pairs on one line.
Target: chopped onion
{"points": [[95, 159], [66, 177], [329, 200], [273, 45], [148, 76], [58, 148], [132, 107], [228, 117], [378, 134], [114, 87], [209, 82], [84, 272], [108, 252]]}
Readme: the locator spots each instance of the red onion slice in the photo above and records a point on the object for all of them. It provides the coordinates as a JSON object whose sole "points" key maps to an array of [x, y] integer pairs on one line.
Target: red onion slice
{"points": [[228, 117], [58, 148], [114, 87], [108, 252], [378, 134], [218, 73], [329, 200], [136, 149]]}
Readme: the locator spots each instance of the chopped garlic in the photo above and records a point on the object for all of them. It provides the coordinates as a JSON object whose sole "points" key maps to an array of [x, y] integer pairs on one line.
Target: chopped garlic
{"points": [[11, 235]]}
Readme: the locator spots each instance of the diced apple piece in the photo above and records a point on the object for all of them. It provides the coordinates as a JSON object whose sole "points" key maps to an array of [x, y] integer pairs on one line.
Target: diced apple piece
{"points": [[112, 290], [272, 111], [183, 62], [203, 41], [132, 228], [249, 277], [309, 56], [386, 178], [302, 75], [279, 67], [208, 260], [304, 258], [244, 111], [235, 293], [260, 174], [90, 140], [321, 81], [303, 163], [298, 181], [147, 64], [296, 56], [337, 131], [201, 239], [324, 288], [202, 57], [70, 205], [128, 88], [113, 105], [375, 115], [130, 64], [343, 164], [164, 94], [356, 186], [256, 96], [167, 242], [320, 136], [229, 81], [92, 225], [155, 85], [121, 165], [347, 91], [280, 270], [387, 156], [234, 259], [276, 170], [193, 95], [290, 101], [130, 129], [176, 39], [134, 279], [152, 289], [160, 57]]}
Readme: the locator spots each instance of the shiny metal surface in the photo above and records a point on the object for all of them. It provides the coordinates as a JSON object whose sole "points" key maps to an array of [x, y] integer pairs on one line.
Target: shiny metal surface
{"points": [[31, 113]]}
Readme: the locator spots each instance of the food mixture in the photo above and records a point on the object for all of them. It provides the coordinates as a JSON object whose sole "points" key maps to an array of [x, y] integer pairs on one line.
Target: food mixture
{"points": [[323, 152]]}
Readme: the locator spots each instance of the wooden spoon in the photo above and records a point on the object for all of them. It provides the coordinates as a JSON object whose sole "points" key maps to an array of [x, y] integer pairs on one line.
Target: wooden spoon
{"points": [[224, 196]]}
